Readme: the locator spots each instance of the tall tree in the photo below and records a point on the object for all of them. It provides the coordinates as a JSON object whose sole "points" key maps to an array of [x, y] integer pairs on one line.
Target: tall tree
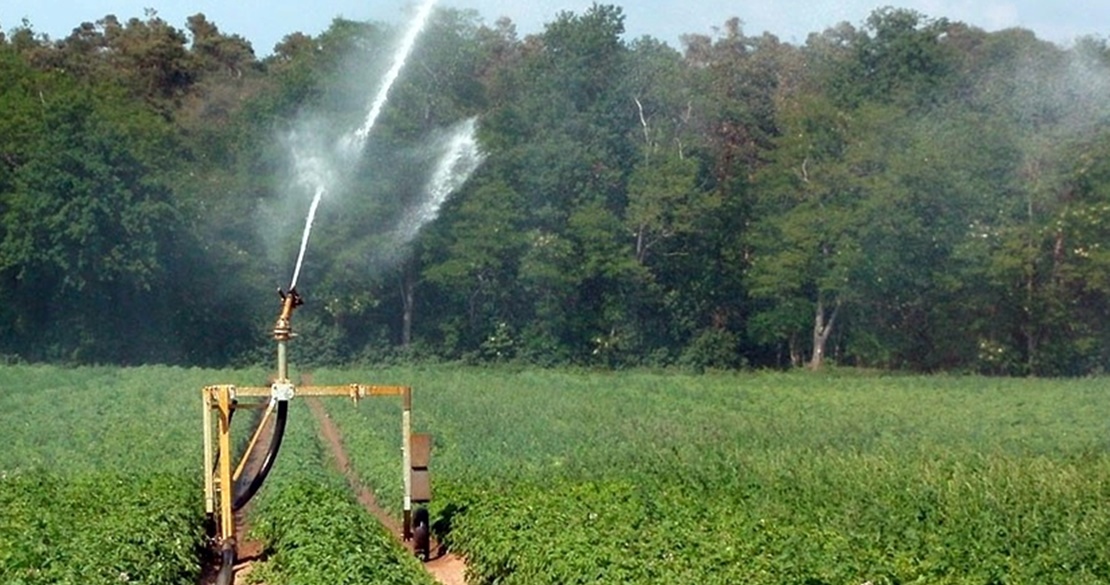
{"points": [[89, 228], [841, 221], [736, 85]]}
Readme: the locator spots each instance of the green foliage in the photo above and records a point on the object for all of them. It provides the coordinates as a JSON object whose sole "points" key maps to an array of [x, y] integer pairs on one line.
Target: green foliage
{"points": [[99, 483], [903, 58], [101, 527], [89, 226], [82, 207], [318, 534], [98, 477], [561, 477], [712, 348]]}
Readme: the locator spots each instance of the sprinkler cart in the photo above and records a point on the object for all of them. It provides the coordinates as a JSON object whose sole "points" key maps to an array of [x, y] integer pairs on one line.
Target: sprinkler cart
{"points": [[222, 494]]}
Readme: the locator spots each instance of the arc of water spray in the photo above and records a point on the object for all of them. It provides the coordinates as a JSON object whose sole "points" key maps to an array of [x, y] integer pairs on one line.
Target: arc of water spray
{"points": [[307, 230], [357, 140], [461, 157], [353, 143]]}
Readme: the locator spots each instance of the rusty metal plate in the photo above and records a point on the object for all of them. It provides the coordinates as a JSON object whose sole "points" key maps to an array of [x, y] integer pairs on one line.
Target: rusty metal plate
{"points": [[421, 485], [421, 446]]}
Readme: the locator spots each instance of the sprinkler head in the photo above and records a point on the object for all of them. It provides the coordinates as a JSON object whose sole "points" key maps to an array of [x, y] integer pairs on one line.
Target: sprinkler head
{"points": [[283, 329], [292, 298]]}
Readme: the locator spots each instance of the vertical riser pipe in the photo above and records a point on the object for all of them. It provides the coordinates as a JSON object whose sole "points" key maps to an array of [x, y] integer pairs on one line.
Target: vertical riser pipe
{"points": [[209, 491]]}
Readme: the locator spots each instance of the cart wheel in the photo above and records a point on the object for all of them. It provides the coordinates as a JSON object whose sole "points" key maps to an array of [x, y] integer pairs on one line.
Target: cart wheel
{"points": [[421, 537]]}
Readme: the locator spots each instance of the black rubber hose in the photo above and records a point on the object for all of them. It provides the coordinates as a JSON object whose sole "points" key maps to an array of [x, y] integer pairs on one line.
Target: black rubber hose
{"points": [[227, 565], [271, 455]]}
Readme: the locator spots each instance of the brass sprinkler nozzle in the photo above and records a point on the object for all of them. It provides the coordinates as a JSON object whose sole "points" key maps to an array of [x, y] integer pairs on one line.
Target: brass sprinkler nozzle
{"points": [[283, 329]]}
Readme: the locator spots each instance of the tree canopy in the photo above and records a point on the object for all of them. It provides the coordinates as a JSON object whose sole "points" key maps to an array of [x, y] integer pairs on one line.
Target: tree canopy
{"points": [[909, 192]]}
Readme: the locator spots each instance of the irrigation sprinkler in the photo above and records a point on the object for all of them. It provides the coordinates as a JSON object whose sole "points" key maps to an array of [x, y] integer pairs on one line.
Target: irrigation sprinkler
{"points": [[319, 169], [226, 487]]}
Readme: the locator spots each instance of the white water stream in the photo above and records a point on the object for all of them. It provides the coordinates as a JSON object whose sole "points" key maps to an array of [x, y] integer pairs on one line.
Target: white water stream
{"points": [[353, 143]]}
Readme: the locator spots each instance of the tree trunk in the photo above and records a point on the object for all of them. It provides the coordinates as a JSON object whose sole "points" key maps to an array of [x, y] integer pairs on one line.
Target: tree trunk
{"points": [[408, 286], [1030, 313], [822, 328], [796, 357], [641, 245]]}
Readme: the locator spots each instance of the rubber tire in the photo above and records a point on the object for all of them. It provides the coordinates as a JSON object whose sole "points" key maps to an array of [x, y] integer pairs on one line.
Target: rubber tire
{"points": [[421, 534]]}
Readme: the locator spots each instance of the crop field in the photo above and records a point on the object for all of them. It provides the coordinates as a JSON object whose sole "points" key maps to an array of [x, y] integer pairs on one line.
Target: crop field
{"points": [[97, 482], [546, 477], [578, 477]]}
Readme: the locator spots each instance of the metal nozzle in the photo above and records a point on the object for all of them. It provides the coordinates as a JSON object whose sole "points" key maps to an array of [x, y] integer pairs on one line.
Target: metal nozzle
{"points": [[283, 329]]}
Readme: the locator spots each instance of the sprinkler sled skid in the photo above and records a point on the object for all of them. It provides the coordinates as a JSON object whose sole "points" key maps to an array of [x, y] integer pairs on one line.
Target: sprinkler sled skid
{"points": [[227, 490]]}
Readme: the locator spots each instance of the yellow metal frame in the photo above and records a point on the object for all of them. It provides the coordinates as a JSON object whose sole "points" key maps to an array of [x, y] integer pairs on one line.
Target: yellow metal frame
{"points": [[222, 400]]}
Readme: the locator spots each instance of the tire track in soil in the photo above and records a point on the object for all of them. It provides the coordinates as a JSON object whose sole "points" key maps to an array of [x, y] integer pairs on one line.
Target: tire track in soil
{"points": [[445, 567]]}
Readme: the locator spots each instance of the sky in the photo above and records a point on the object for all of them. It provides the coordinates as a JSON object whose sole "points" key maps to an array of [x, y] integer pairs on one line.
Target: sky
{"points": [[265, 22]]}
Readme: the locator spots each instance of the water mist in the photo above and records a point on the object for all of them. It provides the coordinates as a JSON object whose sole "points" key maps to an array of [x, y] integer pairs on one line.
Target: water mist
{"points": [[320, 169]]}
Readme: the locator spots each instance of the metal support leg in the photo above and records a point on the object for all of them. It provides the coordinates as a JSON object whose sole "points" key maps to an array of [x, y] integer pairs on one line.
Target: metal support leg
{"points": [[406, 459], [227, 522]]}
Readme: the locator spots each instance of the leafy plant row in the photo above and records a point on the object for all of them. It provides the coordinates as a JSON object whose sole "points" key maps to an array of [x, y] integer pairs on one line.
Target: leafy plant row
{"points": [[99, 528], [100, 475], [796, 518], [314, 530]]}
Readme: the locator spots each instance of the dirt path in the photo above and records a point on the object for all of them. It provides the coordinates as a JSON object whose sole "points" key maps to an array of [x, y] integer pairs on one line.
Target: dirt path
{"points": [[445, 568]]}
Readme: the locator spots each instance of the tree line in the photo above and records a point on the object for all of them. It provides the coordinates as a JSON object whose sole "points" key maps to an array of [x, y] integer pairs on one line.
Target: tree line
{"points": [[907, 193]]}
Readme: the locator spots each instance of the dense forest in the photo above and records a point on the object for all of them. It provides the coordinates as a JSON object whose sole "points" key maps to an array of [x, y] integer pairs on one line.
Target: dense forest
{"points": [[909, 192]]}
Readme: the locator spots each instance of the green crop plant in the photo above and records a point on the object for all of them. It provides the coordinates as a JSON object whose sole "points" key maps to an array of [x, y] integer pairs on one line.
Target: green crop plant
{"points": [[98, 476], [580, 477], [99, 528]]}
